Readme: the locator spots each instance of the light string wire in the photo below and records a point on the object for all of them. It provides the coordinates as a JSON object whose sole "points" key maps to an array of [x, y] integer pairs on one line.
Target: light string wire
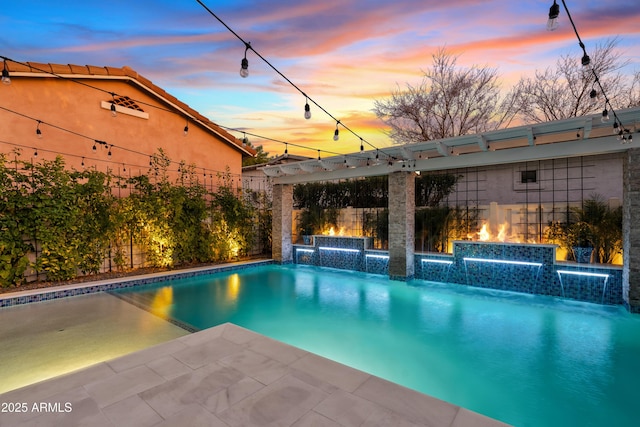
{"points": [[114, 94], [249, 47], [593, 71], [104, 144]]}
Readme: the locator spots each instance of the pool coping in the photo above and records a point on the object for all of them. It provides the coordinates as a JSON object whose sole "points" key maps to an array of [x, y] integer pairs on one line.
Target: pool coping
{"points": [[46, 294]]}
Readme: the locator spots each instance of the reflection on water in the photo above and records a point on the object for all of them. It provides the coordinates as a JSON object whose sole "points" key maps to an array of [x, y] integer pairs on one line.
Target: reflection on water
{"points": [[523, 359]]}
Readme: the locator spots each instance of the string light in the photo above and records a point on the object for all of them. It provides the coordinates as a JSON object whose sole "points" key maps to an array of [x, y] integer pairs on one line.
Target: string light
{"points": [[618, 128], [186, 127], [82, 164], [248, 46], [113, 105], [244, 64], [307, 109], [336, 133], [286, 151], [554, 11], [113, 94], [38, 131], [6, 78]]}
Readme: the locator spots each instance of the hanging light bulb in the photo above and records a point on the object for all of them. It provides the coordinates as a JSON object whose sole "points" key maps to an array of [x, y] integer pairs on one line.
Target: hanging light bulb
{"points": [[307, 110], [113, 105], [361, 145], [336, 133], [245, 140], [82, 163], [124, 168], [586, 61], [150, 161], [615, 127], [593, 94], [6, 79], [94, 146], [605, 115], [286, 151], [319, 155], [35, 153], [554, 11], [109, 152], [244, 64], [186, 127], [38, 131]]}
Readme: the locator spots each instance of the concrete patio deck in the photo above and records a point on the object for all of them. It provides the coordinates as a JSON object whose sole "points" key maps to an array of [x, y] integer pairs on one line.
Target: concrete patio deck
{"points": [[226, 376]]}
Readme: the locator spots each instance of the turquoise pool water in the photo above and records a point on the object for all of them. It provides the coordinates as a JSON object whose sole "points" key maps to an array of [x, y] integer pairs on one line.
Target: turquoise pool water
{"points": [[525, 360]]}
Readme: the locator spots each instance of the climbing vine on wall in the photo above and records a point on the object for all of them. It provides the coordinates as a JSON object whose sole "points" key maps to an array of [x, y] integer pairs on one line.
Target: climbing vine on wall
{"points": [[62, 222]]}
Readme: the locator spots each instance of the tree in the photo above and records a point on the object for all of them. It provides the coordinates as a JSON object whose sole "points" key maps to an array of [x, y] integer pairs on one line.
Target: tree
{"points": [[260, 157], [450, 101], [564, 91], [634, 91]]}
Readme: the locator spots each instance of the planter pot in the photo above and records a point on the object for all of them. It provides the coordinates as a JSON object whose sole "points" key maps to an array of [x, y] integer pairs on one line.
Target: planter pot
{"points": [[582, 255]]}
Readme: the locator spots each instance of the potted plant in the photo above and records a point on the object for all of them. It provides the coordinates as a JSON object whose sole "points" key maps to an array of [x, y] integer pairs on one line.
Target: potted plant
{"points": [[594, 234], [580, 239]]}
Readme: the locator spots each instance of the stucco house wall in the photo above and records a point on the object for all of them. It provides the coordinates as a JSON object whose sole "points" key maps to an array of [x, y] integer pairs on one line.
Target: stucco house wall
{"points": [[74, 103]]}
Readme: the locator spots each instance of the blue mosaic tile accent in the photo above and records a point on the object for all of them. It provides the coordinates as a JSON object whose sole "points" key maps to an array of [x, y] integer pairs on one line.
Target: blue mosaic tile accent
{"points": [[434, 268], [51, 294], [517, 267], [346, 253], [376, 262], [514, 267]]}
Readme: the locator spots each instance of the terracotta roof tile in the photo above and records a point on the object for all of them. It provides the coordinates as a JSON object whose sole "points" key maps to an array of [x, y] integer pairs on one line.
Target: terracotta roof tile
{"points": [[97, 70], [16, 67], [130, 72], [113, 71], [78, 69], [37, 67], [60, 68]]}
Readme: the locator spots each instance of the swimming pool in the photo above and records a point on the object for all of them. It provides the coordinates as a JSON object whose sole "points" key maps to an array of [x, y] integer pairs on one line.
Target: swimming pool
{"points": [[523, 359]]}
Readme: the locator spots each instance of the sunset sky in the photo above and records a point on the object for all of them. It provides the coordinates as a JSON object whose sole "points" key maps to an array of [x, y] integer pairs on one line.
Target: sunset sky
{"points": [[343, 54]]}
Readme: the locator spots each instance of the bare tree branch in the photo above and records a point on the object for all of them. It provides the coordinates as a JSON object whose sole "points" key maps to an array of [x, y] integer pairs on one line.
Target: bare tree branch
{"points": [[564, 91], [450, 101]]}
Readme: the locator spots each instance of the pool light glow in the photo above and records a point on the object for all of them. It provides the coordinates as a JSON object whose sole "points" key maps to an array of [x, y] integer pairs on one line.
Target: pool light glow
{"points": [[327, 248], [504, 261], [305, 250], [377, 256], [583, 273], [438, 261]]}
